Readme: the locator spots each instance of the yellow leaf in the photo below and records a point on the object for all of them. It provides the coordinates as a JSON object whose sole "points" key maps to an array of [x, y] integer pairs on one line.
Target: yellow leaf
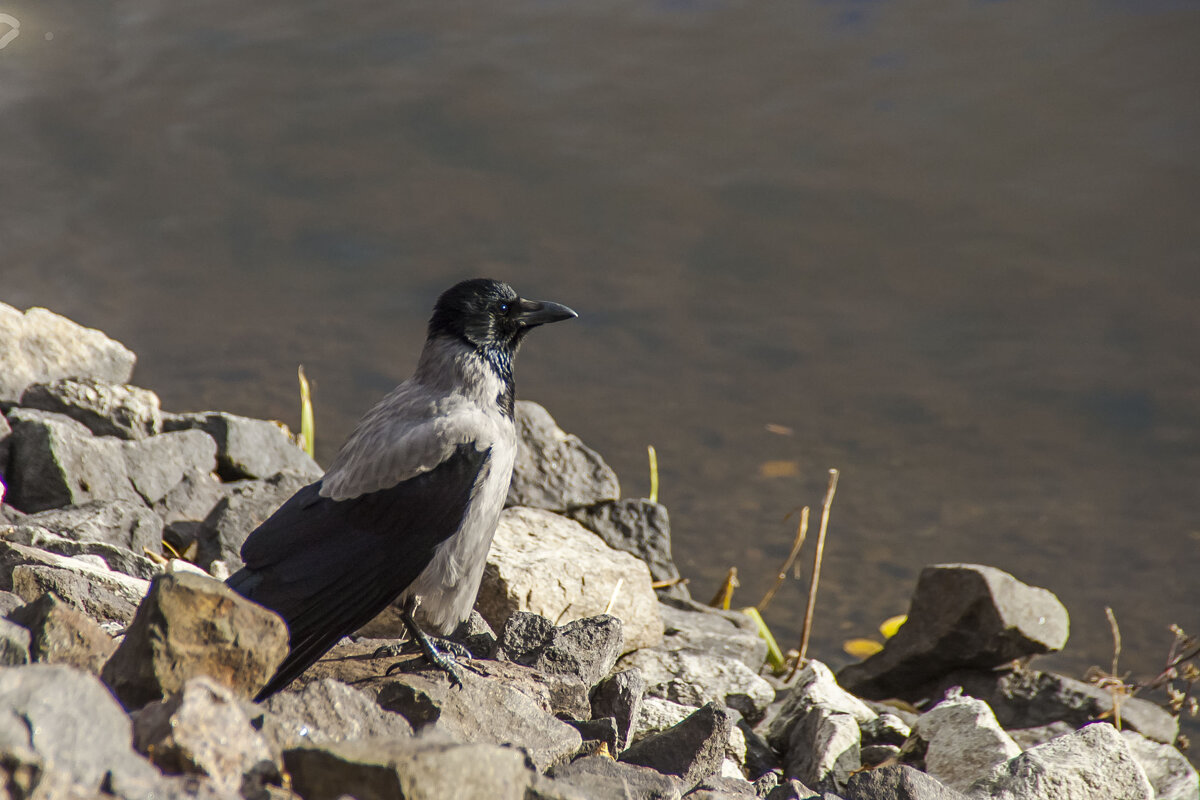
{"points": [[778, 469], [861, 648], [892, 624]]}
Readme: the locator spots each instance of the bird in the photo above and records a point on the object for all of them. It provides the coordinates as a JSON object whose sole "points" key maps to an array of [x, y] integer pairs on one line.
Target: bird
{"points": [[408, 507]]}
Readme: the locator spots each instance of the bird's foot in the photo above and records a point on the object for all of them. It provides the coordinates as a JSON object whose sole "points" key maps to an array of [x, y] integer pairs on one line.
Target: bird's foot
{"points": [[442, 654]]}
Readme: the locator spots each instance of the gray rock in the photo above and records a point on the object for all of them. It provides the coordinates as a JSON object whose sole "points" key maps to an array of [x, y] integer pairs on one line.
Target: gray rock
{"points": [[962, 741], [157, 465], [475, 634], [124, 523], [115, 557], [1028, 698], [961, 616], [586, 648], [791, 789], [873, 755], [546, 788], [554, 470], [602, 730], [1032, 737], [245, 506], [119, 410], [719, 788], [327, 711], [1170, 774], [658, 715], [484, 709], [189, 626], [192, 499], [41, 709], [553, 566], [815, 687], [695, 679], [39, 346], [887, 728], [61, 634], [83, 581], [1090, 763], [55, 461], [898, 782], [14, 644], [9, 602], [600, 777], [202, 730], [640, 528], [692, 750], [823, 749], [5, 434], [619, 696], [694, 628], [248, 448], [421, 768]]}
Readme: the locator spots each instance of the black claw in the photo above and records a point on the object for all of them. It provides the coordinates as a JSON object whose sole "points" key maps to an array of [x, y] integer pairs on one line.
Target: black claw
{"points": [[445, 661]]}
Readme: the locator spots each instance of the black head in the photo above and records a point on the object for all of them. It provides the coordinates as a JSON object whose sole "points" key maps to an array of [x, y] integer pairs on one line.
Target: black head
{"points": [[490, 315]]}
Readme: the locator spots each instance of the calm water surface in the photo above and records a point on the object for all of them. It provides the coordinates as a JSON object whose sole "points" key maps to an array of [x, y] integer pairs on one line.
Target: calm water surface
{"points": [[950, 248]]}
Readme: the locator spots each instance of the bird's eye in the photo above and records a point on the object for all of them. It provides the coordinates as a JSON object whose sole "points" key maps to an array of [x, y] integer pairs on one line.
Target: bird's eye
{"points": [[503, 308]]}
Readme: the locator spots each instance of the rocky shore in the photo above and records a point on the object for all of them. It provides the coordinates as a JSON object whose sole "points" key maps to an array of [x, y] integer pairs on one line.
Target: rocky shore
{"points": [[126, 665]]}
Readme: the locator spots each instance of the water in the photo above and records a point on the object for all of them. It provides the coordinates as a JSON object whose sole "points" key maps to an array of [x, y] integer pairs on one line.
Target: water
{"points": [[948, 248]]}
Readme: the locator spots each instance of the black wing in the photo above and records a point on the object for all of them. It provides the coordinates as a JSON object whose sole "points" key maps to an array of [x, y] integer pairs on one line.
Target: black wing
{"points": [[329, 566]]}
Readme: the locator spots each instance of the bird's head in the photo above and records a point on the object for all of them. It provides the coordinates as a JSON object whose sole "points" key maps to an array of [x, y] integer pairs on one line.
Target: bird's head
{"points": [[488, 315]]}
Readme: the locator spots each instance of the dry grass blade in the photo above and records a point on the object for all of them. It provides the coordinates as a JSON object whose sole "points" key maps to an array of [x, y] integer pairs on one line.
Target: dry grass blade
{"points": [[1118, 694], [797, 543], [612, 601], [806, 630], [308, 433], [724, 595], [653, 454]]}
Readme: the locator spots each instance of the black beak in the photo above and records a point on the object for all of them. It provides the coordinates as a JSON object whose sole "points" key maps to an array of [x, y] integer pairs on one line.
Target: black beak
{"points": [[532, 313]]}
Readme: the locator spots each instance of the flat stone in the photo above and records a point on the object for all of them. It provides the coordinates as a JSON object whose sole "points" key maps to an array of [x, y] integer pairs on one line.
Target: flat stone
{"points": [[39, 346], [554, 470], [585, 648], [1170, 774], [1093, 762], [961, 616], [962, 741], [695, 628], [601, 777], [124, 523], [638, 527], [327, 711], [245, 506], [552, 566], [120, 410], [84, 582], [620, 696], [695, 679], [190, 626], [115, 557], [249, 448], [692, 750], [61, 634], [898, 782]]}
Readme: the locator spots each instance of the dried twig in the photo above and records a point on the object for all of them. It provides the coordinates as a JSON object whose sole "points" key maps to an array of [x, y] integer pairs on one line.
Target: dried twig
{"points": [[1118, 694], [724, 595], [653, 454], [797, 543], [612, 601], [816, 573]]}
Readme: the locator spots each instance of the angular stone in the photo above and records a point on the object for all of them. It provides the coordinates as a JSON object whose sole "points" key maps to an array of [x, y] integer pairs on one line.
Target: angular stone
{"points": [[619, 696], [68, 719], [552, 566], [1170, 774], [476, 635], [694, 679], [9, 602], [83, 581], [55, 461], [120, 410], [815, 687], [1093, 762], [720, 787], [601, 777], [124, 523], [823, 750], [586, 648], [961, 616], [327, 711], [157, 465], [692, 750], [640, 528], [554, 470], [693, 627], [192, 499], [962, 741], [793, 789], [202, 730], [39, 346], [14, 644], [898, 782], [115, 557], [884, 729], [248, 448], [657, 715], [189, 626], [61, 634], [245, 506]]}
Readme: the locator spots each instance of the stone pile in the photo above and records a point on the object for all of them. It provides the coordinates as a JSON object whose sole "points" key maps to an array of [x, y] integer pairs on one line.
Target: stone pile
{"points": [[127, 666]]}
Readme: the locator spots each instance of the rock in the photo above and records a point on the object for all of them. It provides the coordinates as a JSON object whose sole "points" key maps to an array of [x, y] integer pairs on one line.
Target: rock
{"points": [[5, 435], [692, 750], [658, 715], [872, 755], [1032, 737], [115, 557], [721, 787], [15, 644], [898, 782], [202, 730], [248, 448], [61, 634], [476, 635], [601, 777], [1170, 774], [421, 768], [157, 465], [9, 602], [327, 711], [189, 626], [192, 499], [961, 616], [39, 346], [1095, 761], [245, 506], [124, 523], [759, 757], [620, 696], [602, 730], [1028, 698], [56, 461], [823, 749], [484, 709], [41, 709], [89, 586], [640, 528], [699, 629], [885, 728], [792, 789], [546, 788], [586, 648], [552, 566], [962, 741], [815, 687], [554, 470], [123, 411], [694, 679]]}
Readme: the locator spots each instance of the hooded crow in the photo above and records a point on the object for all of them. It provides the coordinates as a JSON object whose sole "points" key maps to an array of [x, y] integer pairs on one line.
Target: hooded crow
{"points": [[409, 506]]}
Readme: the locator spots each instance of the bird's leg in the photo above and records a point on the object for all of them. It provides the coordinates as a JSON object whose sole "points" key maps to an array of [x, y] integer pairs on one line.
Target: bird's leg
{"points": [[445, 661]]}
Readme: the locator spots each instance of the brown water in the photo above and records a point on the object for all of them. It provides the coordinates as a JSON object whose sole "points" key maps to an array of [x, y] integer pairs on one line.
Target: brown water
{"points": [[952, 247]]}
